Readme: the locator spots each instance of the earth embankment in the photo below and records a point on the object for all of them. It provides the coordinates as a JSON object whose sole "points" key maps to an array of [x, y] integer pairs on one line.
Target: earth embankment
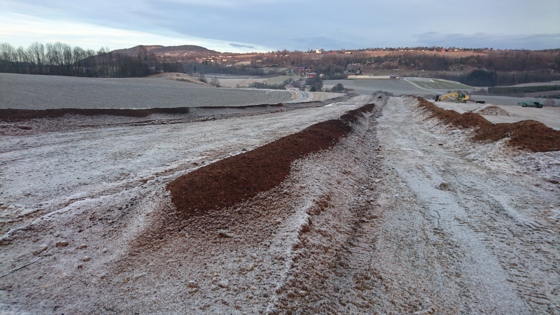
{"points": [[527, 134], [240, 177]]}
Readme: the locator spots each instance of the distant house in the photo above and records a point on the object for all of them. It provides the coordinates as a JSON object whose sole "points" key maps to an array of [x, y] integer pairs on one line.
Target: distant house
{"points": [[311, 74]]}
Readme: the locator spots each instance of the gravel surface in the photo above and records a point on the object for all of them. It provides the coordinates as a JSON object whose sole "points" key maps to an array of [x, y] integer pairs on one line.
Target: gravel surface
{"points": [[403, 216]]}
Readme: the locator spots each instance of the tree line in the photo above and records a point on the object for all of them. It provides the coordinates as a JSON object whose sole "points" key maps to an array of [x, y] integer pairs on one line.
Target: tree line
{"points": [[485, 68], [55, 58], [63, 59]]}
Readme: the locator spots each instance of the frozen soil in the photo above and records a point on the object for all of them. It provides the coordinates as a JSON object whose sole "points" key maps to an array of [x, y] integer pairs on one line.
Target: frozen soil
{"points": [[404, 214]]}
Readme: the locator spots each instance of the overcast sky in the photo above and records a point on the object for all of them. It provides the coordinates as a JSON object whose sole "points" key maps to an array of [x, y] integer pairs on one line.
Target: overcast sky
{"points": [[267, 25]]}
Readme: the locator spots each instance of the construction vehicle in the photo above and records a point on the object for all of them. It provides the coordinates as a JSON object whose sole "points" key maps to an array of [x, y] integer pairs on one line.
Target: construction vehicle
{"points": [[460, 97], [530, 104]]}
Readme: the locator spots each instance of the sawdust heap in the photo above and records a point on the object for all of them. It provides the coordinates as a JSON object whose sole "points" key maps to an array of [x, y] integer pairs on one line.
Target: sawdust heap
{"points": [[529, 134], [241, 177], [491, 110]]}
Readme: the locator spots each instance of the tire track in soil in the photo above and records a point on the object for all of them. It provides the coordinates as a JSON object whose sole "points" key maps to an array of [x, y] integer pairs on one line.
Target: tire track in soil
{"points": [[487, 221], [437, 238], [321, 278], [243, 251], [155, 278], [525, 246], [405, 227], [347, 264], [348, 230]]}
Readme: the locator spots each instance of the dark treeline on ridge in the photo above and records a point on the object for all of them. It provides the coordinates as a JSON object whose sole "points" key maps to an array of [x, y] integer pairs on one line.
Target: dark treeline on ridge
{"points": [[62, 59], [475, 67]]}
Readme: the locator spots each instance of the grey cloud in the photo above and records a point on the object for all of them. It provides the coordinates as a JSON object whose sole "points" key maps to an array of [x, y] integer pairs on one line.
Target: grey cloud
{"points": [[482, 40], [241, 46], [291, 24]]}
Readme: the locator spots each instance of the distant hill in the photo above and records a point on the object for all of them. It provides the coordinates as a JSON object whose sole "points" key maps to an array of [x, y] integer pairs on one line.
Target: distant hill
{"points": [[159, 50]]}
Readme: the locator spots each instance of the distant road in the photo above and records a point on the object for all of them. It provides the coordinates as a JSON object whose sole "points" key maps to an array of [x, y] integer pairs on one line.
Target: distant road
{"points": [[300, 96]]}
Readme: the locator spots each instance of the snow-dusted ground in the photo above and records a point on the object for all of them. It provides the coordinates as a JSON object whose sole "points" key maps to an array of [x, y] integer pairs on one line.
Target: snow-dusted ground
{"points": [[403, 216], [24, 91], [468, 227], [95, 187]]}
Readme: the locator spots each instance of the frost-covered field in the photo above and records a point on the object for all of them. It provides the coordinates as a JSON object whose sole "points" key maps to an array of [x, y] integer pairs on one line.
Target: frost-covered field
{"points": [[91, 193], [403, 216], [44, 92], [397, 87]]}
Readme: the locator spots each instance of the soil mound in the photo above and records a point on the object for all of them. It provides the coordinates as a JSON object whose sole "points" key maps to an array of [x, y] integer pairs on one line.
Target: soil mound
{"points": [[241, 177], [14, 115], [465, 120], [529, 134], [10, 114], [491, 110]]}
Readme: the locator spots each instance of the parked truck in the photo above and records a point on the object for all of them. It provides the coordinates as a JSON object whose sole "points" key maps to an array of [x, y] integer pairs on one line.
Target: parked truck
{"points": [[530, 104]]}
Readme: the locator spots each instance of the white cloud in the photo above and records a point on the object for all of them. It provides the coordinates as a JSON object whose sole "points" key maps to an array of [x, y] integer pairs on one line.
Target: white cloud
{"points": [[223, 3], [22, 30], [276, 24]]}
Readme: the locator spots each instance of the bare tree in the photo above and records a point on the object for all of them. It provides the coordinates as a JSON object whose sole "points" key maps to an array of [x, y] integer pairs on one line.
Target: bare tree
{"points": [[8, 56], [67, 58], [37, 54], [202, 78], [338, 88], [215, 82], [23, 60], [7, 52]]}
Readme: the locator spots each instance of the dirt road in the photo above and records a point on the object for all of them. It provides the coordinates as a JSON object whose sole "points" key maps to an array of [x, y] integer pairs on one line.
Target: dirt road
{"points": [[405, 215], [443, 226], [462, 230]]}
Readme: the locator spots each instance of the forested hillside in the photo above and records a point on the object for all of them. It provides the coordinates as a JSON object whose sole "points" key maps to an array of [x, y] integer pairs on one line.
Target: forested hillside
{"points": [[476, 67]]}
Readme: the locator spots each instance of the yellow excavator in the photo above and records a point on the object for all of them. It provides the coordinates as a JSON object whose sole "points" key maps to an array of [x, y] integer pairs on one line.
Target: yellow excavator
{"points": [[460, 97]]}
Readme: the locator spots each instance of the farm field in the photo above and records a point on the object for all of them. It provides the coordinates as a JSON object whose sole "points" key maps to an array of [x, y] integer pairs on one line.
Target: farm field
{"points": [[233, 81], [438, 84], [43, 92], [397, 87], [401, 214]]}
